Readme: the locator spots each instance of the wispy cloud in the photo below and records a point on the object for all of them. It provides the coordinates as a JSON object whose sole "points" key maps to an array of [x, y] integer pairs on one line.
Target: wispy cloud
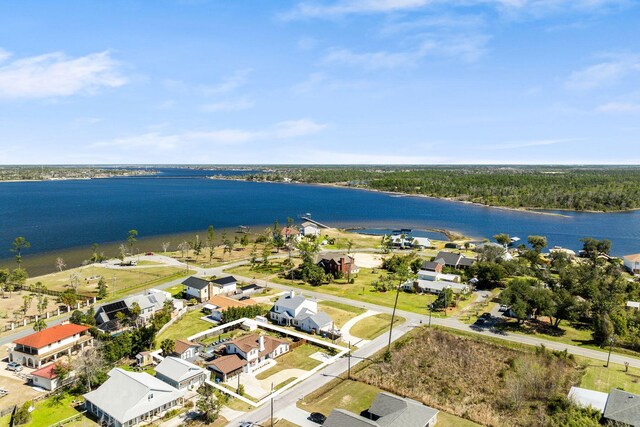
{"points": [[229, 83], [609, 71], [619, 107], [524, 144], [307, 9], [172, 141], [56, 74], [229, 105]]}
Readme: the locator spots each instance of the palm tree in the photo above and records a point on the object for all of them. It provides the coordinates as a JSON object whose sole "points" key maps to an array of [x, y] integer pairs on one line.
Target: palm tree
{"points": [[18, 245]]}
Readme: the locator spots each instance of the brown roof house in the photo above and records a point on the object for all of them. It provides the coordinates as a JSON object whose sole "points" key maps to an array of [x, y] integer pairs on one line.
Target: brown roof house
{"points": [[246, 354], [186, 350], [337, 264]]}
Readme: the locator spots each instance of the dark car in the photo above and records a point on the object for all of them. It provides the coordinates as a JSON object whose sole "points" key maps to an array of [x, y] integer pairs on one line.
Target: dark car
{"points": [[243, 298], [486, 316], [480, 321], [317, 418]]}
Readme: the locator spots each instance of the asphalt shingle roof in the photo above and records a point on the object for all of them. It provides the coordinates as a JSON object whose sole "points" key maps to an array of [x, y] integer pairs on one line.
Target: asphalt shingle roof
{"points": [[623, 407], [177, 369], [196, 282], [225, 280]]}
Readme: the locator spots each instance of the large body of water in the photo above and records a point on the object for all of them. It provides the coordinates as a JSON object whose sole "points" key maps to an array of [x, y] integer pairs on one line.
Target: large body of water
{"points": [[57, 215]]}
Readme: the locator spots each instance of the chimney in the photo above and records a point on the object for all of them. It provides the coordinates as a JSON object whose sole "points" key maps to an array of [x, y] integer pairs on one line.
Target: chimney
{"points": [[210, 289], [292, 294], [261, 343]]}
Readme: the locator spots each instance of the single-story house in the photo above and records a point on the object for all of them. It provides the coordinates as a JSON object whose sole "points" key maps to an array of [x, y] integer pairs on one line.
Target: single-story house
{"points": [[623, 407], [250, 289], [46, 377], [588, 398], [246, 354], [632, 263], [387, 410], [435, 287], [309, 229], [181, 374], [128, 399], [202, 289], [218, 304], [290, 234], [455, 260], [144, 358], [186, 350]]}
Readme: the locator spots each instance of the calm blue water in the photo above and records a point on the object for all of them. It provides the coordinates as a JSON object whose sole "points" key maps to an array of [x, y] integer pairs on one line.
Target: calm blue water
{"points": [[64, 214]]}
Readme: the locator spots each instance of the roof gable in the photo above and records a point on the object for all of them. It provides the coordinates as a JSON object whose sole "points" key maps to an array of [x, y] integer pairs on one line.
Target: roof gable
{"points": [[177, 369], [623, 407], [196, 282], [225, 280]]}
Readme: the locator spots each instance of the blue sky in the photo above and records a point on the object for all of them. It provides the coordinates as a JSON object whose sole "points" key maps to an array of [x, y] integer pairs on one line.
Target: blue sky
{"points": [[341, 81]]}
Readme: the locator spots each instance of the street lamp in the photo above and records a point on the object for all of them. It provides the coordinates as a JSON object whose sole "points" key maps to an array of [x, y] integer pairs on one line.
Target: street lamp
{"points": [[612, 339]]}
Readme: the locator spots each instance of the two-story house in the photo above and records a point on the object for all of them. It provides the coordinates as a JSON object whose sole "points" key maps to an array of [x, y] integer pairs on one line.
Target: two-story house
{"points": [[337, 264], [181, 374], [149, 303], [302, 313], [48, 344], [246, 354], [202, 289]]}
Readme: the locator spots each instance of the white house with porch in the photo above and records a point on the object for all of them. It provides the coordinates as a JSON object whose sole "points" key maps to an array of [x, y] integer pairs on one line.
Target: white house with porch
{"points": [[296, 310], [48, 344]]}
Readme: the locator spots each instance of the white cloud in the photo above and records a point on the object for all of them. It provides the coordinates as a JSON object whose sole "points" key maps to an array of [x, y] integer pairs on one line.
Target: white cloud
{"points": [[55, 74], [604, 73], [4, 54], [619, 107], [163, 141], [230, 83], [524, 144], [229, 105], [340, 8]]}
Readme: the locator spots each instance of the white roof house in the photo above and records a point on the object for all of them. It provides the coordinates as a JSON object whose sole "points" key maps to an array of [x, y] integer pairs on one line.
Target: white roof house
{"points": [[128, 398], [435, 276], [436, 286], [180, 373], [309, 229], [301, 312], [588, 398]]}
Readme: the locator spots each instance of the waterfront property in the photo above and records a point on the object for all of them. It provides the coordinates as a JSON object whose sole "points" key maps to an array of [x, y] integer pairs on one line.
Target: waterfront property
{"points": [[454, 260], [246, 354], [47, 345], [149, 303], [302, 313], [309, 229], [386, 410], [632, 263], [202, 289], [128, 399], [181, 374]]}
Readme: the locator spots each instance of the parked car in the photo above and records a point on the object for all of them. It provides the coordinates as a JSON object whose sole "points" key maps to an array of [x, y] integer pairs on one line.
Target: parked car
{"points": [[14, 366], [480, 321], [243, 298], [149, 253], [486, 316], [503, 308], [246, 424], [317, 418]]}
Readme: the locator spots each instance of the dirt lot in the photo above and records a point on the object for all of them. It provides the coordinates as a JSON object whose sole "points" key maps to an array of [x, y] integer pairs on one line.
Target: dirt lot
{"points": [[13, 303], [19, 390]]}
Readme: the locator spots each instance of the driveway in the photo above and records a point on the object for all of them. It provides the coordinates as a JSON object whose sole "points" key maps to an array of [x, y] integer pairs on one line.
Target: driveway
{"points": [[295, 415], [347, 337]]}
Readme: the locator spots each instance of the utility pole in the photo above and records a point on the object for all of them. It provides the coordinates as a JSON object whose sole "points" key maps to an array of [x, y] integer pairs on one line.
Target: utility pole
{"points": [[611, 341], [349, 362], [430, 311], [393, 315]]}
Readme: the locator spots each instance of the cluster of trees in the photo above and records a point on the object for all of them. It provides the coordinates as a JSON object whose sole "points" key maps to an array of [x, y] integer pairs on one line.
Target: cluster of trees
{"points": [[576, 188], [592, 290], [11, 173], [235, 313], [308, 270]]}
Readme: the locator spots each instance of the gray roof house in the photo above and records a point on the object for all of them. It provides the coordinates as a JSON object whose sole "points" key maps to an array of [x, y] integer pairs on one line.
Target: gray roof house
{"points": [[623, 407], [127, 399], [387, 410], [149, 302], [296, 310], [452, 259], [203, 289], [181, 374]]}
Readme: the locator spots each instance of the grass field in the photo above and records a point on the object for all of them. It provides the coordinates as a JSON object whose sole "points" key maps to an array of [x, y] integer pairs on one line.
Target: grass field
{"points": [[353, 396], [373, 326], [446, 419], [597, 377], [119, 281], [361, 290], [260, 271], [188, 325], [340, 313], [48, 412], [297, 358]]}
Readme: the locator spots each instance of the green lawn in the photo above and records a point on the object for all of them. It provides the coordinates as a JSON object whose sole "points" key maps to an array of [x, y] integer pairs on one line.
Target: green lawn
{"points": [[297, 358], [597, 377], [373, 326], [259, 271], [447, 420], [188, 325], [353, 396], [361, 290], [339, 313], [48, 412]]}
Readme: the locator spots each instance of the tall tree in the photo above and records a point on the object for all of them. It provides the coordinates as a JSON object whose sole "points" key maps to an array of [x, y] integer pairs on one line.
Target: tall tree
{"points": [[102, 288], [60, 265], [168, 346], [165, 246], [131, 240], [502, 238], [89, 364], [537, 243], [18, 245], [211, 242]]}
